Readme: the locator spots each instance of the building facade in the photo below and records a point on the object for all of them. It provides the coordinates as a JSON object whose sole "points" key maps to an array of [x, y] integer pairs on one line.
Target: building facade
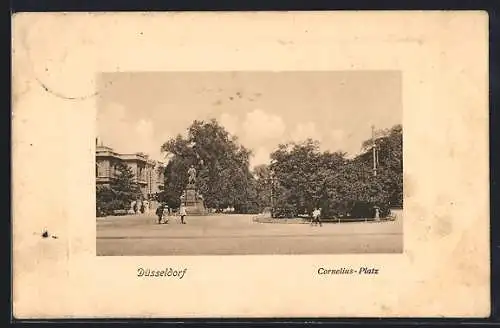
{"points": [[148, 174]]}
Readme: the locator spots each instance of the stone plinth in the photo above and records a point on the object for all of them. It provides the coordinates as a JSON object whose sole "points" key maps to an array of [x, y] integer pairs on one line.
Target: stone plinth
{"points": [[193, 204]]}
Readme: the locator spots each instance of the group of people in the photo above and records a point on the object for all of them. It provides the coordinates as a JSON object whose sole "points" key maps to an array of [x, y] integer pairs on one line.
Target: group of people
{"points": [[138, 206], [163, 212]]}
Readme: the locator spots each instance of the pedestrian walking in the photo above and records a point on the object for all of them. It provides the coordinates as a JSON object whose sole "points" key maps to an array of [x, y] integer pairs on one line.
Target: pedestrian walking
{"points": [[182, 213], [159, 213], [166, 213], [316, 217]]}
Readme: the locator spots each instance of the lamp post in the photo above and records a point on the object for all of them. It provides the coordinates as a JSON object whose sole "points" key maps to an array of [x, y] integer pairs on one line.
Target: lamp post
{"points": [[272, 181], [375, 163], [374, 149]]}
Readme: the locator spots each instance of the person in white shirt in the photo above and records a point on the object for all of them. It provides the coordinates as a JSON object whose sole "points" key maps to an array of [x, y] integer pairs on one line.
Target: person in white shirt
{"points": [[316, 217], [166, 214], [182, 213]]}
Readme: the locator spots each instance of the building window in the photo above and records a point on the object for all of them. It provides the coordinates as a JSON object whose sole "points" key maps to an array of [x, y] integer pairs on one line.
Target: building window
{"points": [[98, 168]]}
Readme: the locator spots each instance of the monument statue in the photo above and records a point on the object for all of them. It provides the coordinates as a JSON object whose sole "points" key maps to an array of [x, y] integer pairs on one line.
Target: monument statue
{"points": [[190, 198], [192, 175]]}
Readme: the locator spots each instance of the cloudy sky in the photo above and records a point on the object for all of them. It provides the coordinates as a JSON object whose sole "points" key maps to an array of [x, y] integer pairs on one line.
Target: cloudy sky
{"points": [[138, 112]]}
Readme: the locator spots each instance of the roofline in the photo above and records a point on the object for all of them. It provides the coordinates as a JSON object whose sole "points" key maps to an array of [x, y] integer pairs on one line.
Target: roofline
{"points": [[105, 151]]}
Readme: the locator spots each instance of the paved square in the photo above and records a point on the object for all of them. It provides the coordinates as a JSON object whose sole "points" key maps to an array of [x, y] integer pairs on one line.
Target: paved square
{"points": [[240, 235]]}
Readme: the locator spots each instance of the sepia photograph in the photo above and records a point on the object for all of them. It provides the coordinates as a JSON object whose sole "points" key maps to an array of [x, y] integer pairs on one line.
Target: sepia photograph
{"points": [[235, 163], [256, 171]]}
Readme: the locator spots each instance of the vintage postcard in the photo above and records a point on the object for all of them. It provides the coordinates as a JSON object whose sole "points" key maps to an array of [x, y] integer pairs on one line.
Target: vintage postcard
{"points": [[265, 164]]}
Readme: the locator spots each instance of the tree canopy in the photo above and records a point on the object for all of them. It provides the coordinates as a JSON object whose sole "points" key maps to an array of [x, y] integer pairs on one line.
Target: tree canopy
{"points": [[299, 178], [222, 164], [307, 178], [302, 174], [121, 191]]}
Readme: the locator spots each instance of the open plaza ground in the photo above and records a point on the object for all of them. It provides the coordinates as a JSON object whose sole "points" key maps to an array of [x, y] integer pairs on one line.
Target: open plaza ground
{"points": [[231, 234]]}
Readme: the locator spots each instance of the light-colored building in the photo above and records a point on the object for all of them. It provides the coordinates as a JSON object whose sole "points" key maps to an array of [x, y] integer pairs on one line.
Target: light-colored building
{"points": [[148, 174]]}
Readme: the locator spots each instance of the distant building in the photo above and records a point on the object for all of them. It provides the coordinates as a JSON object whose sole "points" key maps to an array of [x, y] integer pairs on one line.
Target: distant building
{"points": [[148, 174]]}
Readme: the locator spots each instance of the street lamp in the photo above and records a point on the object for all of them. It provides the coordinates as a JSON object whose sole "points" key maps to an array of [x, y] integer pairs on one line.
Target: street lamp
{"points": [[374, 149], [272, 181], [375, 163]]}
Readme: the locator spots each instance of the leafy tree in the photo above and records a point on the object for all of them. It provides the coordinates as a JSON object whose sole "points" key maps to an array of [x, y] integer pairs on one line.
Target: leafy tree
{"points": [[356, 186], [119, 193], [221, 162], [262, 178], [123, 186], [390, 163], [303, 172], [104, 200], [307, 178], [300, 177]]}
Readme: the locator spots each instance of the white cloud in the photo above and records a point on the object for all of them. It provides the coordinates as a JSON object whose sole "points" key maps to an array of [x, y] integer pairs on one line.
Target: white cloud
{"points": [[337, 136], [260, 156], [144, 131], [304, 131], [260, 126], [230, 123], [112, 125], [129, 136], [144, 140], [337, 140], [350, 155]]}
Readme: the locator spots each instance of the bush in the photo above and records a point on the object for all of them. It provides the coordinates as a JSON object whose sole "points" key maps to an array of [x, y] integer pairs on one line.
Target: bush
{"points": [[100, 212], [247, 208], [109, 208], [285, 211], [333, 209], [364, 209]]}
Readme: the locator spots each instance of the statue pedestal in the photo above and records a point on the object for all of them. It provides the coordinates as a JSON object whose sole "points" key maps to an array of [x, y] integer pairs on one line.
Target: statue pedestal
{"points": [[193, 205]]}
